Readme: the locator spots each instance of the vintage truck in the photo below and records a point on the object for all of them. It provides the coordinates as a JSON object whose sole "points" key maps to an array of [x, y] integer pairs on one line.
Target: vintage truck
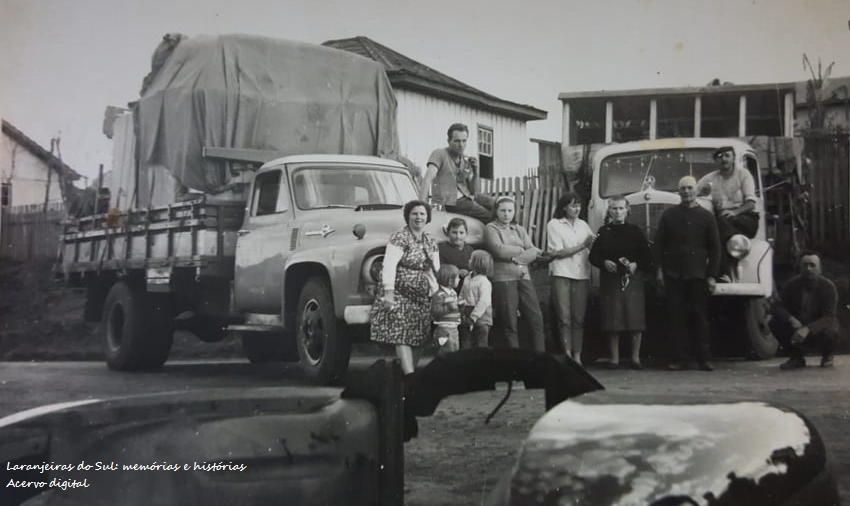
{"points": [[254, 189], [647, 173], [293, 273]]}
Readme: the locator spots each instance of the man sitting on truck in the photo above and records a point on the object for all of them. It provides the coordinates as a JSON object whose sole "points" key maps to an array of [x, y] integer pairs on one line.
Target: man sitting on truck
{"points": [[452, 179], [806, 313], [733, 193]]}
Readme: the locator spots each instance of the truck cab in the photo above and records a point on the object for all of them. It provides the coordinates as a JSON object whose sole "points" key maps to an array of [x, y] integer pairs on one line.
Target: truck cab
{"points": [[647, 173], [309, 253]]}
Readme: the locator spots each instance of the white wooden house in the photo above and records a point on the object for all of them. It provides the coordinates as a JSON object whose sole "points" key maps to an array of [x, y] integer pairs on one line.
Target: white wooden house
{"points": [[30, 174], [429, 101]]}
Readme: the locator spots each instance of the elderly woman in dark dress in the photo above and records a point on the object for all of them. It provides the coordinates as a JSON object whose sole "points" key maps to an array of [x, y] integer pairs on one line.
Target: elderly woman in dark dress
{"points": [[623, 256], [401, 313]]}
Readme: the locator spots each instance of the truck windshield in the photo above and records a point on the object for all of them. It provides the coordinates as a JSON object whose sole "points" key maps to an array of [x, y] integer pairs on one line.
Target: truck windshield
{"points": [[329, 187], [627, 173]]}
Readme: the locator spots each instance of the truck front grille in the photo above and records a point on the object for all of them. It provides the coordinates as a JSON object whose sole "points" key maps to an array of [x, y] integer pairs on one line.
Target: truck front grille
{"points": [[646, 216]]}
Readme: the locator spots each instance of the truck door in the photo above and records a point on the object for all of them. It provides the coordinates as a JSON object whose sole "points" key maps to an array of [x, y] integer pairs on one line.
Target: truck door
{"points": [[262, 244]]}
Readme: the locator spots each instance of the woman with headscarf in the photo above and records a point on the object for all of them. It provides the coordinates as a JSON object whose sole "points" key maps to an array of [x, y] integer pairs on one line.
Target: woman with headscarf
{"points": [[623, 256]]}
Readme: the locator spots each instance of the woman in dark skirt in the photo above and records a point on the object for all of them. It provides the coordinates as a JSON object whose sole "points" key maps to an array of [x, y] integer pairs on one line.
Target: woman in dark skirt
{"points": [[623, 256]]}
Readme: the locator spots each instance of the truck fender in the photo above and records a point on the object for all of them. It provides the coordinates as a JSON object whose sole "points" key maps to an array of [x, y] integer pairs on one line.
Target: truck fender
{"points": [[757, 266], [297, 269]]}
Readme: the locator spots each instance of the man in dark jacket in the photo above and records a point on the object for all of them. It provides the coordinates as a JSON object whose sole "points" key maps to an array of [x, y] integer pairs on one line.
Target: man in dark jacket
{"points": [[806, 313], [687, 251]]}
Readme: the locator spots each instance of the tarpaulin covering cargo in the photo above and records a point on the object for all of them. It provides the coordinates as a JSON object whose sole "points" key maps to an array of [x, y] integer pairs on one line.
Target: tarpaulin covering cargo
{"points": [[249, 92]]}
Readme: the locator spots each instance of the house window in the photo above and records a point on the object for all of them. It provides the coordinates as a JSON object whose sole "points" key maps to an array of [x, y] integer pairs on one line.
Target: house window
{"points": [[6, 196], [485, 152]]}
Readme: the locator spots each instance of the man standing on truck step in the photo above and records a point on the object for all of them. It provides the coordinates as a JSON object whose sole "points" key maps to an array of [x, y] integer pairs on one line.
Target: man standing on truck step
{"points": [[806, 313], [733, 193], [687, 251], [452, 178]]}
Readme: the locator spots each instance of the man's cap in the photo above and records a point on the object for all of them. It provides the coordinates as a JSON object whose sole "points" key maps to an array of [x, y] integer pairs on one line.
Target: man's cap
{"points": [[687, 180], [722, 149]]}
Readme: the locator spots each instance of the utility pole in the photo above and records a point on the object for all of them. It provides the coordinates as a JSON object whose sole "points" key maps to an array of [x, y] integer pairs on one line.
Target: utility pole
{"points": [[56, 152], [99, 187], [49, 174], [62, 189]]}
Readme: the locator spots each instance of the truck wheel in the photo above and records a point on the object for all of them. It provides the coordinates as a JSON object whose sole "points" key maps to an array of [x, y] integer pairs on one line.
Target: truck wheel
{"points": [[322, 350], [763, 344], [209, 329], [265, 347], [138, 329]]}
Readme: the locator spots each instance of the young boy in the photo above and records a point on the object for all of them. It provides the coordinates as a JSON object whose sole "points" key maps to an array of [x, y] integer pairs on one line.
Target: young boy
{"points": [[445, 311], [455, 251]]}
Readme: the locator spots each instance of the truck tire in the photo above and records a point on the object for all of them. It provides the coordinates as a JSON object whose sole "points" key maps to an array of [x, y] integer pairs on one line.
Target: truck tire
{"points": [[322, 349], [209, 329], [763, 344], [138, 328], [266, 347]]}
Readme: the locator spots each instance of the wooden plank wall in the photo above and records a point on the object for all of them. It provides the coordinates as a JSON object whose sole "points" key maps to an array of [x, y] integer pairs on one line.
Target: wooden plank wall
{"points": [[829, 213], [30, 232]]}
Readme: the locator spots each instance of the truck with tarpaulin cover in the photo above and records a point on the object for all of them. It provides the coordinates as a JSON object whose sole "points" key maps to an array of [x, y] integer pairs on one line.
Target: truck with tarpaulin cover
{"points": [[239, 176]]}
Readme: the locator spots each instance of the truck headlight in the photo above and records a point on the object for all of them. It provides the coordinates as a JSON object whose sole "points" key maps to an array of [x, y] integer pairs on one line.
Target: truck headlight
{"points": [[372, 267], [738, 246]]}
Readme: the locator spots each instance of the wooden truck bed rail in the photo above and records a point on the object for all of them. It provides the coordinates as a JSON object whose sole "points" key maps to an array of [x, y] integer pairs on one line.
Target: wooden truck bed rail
{"points": [[195, 234]]}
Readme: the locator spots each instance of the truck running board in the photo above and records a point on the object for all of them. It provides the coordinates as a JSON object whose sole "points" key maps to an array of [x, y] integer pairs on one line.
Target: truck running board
{"points": [[742, 289], [255, 328]]}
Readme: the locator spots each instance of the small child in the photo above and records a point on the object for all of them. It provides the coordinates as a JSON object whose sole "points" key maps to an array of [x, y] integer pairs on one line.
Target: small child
{"points": [[476, 302], [445, 311]]}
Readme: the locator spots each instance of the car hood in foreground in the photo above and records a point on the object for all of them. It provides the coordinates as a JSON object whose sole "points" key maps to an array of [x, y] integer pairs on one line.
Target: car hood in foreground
{"points": [[640, 455]]}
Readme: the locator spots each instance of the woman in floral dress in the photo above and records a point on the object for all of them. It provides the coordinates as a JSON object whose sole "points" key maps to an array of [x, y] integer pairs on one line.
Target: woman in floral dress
{"points": [[401, 314]]}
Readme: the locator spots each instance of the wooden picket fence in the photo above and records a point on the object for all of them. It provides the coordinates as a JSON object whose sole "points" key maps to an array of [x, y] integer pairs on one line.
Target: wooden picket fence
{"points": [[536, 195], [828, 215], [31, 232]]}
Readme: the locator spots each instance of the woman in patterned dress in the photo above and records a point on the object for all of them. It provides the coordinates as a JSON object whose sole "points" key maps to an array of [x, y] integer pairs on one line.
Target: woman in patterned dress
{"points": [[401, 313]]}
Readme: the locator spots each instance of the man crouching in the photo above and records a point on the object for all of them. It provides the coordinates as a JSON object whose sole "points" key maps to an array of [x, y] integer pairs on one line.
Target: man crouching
{"points": [[806, 313]]}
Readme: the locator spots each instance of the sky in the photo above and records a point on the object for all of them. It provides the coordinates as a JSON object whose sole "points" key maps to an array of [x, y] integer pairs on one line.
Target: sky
{"points": [[64, 61]]}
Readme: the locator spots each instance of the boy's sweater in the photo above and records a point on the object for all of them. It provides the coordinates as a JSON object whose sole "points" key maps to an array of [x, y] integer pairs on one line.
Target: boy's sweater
{"points": [[444, 307]]}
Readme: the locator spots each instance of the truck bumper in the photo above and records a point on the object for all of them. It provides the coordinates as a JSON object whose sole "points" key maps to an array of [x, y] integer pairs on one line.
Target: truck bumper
{"points": [[356, 314], [742, 289]]}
